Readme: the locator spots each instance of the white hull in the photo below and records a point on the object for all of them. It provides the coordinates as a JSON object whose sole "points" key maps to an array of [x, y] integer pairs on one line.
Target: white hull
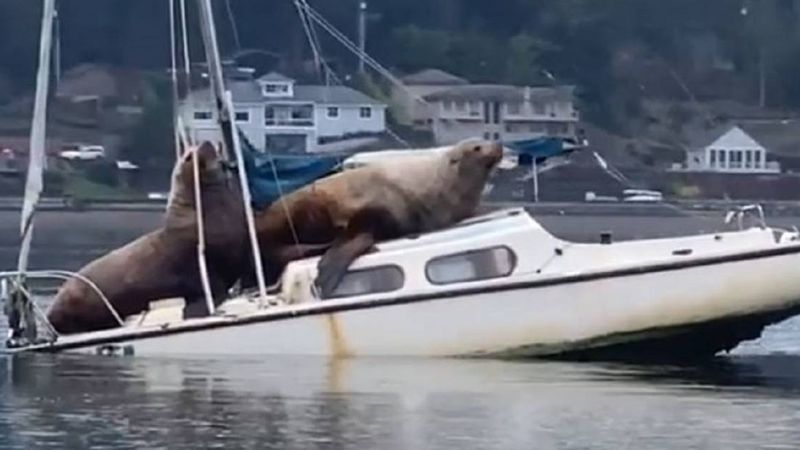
{"points": [[535, 314]]}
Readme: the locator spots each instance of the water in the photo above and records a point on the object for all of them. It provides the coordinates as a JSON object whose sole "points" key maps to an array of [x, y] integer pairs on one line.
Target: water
{"points": [[747, 400], [307, 403]]}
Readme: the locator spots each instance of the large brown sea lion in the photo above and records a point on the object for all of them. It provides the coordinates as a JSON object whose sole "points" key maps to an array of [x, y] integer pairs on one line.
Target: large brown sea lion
{"points": [[352, 210], [163, 263]]}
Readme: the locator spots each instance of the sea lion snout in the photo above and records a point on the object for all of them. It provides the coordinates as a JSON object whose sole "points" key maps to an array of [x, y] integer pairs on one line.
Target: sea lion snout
{"points": [[495, 153]]}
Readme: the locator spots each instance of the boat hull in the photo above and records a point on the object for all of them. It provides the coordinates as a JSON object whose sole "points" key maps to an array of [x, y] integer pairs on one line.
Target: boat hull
{"points": [[676, 311]]}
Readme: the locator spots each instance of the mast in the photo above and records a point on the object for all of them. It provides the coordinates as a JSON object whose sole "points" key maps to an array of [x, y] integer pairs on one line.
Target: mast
{"points": [[224, 104], [21, 308]]}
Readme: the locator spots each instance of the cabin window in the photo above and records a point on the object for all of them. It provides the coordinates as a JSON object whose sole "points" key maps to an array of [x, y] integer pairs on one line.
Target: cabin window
{"points": [[365, 112], [474, 265], [242, 116], [202, 115], [333, 112], [375, 280]]}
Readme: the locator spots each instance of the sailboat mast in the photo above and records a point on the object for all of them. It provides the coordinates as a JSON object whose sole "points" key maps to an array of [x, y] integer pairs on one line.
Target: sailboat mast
{"points": [[224, 104], [36, 161]]}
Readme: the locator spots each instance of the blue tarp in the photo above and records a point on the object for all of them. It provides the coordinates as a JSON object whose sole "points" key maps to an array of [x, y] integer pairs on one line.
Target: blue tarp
{"points": [[539, 148], [293, 171], [297, 170]]}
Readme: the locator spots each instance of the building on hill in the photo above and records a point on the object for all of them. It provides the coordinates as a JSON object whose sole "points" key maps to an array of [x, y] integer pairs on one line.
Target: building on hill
{"points": [[503, 112], [453, 109], [742, 148], [275, 112], [408, 102]]}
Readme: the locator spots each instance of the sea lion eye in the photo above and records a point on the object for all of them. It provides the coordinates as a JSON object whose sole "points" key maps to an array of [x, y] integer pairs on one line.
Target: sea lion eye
{"points": [[477, 148]]}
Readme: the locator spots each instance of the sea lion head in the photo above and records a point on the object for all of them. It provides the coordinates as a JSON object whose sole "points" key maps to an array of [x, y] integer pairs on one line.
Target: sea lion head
{"points": [[210, 166], [476, 156]]}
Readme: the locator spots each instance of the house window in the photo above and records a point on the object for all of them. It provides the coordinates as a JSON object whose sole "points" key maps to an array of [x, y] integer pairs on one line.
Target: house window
{"points": [[365, 112], [202, 115], [474, 265], [374, 280], [748, 159], [474, 109], [758, 163], [538, 108], [276, 88], [487, 135], [722, 157], [242, 116], [461, 106], [712, 158], [333, 112], [447, 106], [514, 108]]}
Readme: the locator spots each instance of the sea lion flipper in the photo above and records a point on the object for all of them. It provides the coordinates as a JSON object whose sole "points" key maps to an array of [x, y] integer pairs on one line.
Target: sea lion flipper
{"points": [[334, 263]]}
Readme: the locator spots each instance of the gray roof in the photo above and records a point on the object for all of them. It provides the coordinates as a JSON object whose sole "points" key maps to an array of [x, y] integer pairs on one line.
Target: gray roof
{"points": [[250, 92], [433, 77], [502, 93], [777, 136], [702, 138], [274, 76]]}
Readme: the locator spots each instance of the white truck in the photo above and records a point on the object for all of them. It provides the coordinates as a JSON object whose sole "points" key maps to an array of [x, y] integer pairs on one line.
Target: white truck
{"points": [[83, 152]]}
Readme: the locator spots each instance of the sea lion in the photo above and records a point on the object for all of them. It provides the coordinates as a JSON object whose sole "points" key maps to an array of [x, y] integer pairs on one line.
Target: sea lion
{"points": [[163, 263], [345, 214]]}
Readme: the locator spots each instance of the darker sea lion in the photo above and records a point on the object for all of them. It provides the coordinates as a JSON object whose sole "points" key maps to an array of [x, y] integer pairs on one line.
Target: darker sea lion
{"points": [[347, 213], [163, 263]]}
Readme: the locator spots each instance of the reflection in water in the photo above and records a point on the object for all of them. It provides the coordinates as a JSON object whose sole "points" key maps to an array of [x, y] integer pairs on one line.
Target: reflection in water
{"points": [[78, 402]]}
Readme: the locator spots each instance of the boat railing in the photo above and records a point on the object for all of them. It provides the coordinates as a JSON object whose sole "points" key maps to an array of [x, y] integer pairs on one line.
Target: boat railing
{"points": [[63, 275], [739, 214]]}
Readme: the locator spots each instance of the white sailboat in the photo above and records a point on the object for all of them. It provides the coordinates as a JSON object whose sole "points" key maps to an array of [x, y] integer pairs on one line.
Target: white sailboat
{"points": [[494, 285]]}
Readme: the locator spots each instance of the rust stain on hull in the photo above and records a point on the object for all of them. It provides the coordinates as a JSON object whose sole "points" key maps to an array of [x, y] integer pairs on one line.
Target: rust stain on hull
{"points": [[337, 340], [339, 354]]}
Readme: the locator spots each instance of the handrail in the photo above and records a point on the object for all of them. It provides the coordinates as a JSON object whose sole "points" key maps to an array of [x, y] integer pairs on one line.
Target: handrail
{"points": [[67, 275]]}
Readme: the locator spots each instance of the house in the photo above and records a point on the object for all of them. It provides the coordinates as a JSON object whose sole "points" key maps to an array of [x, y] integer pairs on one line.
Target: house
{"points": [[733, 148], [275, 112], [453, 109], [408, 100], [502, 112]]}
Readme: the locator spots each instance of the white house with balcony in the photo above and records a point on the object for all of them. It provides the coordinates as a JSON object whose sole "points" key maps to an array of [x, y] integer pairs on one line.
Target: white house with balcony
{"points": [[452, 108], [729, 149], [276, 113], [502, 112]]}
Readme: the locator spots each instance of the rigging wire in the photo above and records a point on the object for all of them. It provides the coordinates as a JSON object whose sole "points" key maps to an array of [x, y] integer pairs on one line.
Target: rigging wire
{"points": [[174, 79], [313, 42], [234, 28], [187, 63]]}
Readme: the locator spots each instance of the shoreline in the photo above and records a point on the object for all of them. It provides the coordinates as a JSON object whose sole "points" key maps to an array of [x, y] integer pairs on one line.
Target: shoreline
{"points": [[668, 208]]}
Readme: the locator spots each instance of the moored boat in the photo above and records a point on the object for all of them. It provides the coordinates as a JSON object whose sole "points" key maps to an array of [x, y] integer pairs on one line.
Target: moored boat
{"points": [[499, 285]]}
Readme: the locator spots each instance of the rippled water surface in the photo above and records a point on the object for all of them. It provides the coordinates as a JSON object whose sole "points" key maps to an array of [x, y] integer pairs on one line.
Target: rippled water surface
{"points": [[748, 400]]}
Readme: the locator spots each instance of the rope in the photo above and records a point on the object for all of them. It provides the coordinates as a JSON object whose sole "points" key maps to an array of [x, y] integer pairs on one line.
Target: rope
{"points": [[66, 275], [248, 205], [234, 29], [36, 308], [201, 237], [354, 48]]}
